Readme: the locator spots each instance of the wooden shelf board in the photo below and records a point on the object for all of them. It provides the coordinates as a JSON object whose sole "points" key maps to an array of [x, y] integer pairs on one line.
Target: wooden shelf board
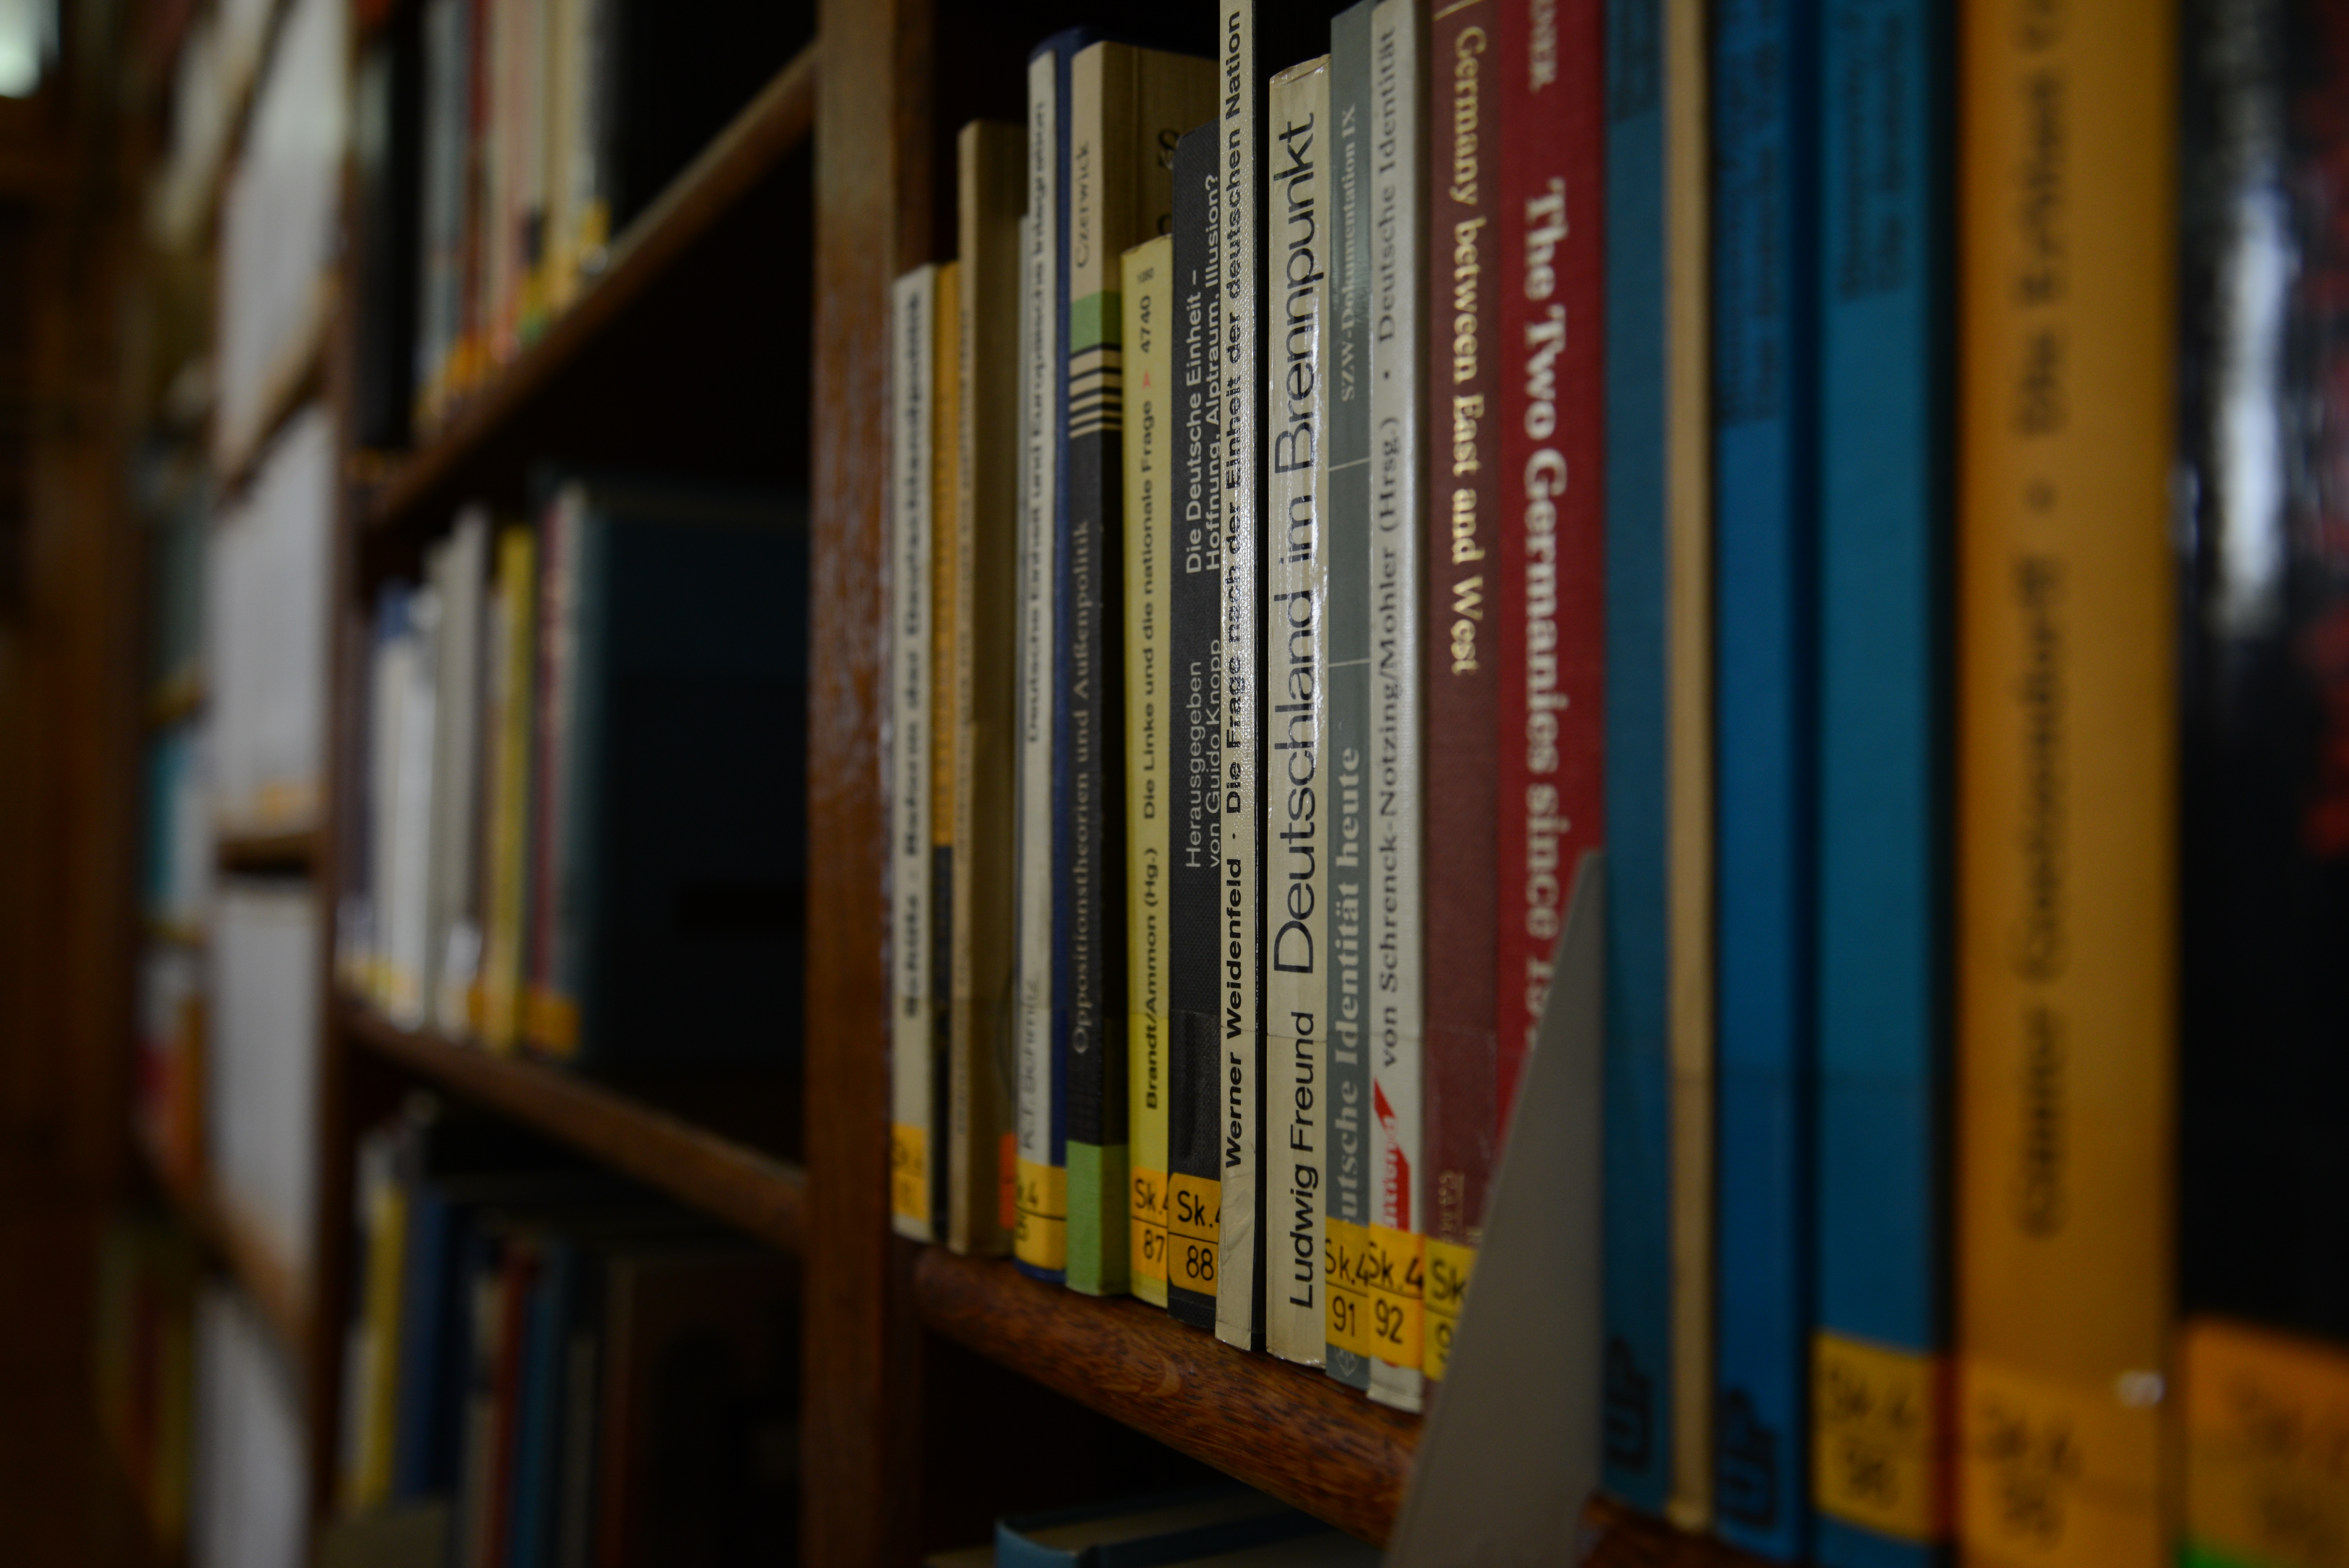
{"points": [[242, 1245], [1284, 1429], [1616, 1537], [754, 1193], [293, 849], [768, 129]]}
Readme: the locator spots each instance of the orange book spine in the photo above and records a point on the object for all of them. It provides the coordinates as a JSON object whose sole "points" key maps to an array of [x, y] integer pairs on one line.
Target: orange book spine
{"points": [[2066, 780]]}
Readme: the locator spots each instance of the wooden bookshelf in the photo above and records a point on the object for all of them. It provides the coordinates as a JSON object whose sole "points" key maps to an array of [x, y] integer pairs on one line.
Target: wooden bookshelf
{"points": [[239, 1245], [770, 126], [292, 850], [1284, 1429], [754, 1192]]}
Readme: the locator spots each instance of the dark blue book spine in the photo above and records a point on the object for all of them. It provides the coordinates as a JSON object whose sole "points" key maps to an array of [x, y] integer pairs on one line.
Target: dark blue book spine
{"points": [[538, 1447], [1764, 58], [1884, 364], [1637, 1454], [428, 1325]]}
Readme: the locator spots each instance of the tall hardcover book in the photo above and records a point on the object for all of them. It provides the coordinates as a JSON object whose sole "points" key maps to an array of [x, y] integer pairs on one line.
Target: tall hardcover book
{"points": [[1658, 1386], [1549, 430], [1127, 107], [1462, 595], [2066, 799], [1765, 663], [1042, 1242], [1881, 1483], [1146, 277], [1393, 1261], [1195, 941], [989, 171], [1295, 714], [511, 700], [2263, 1281], [1346, 677], [946, 486], [912, 369], [459, 567], [1239, 1292]]}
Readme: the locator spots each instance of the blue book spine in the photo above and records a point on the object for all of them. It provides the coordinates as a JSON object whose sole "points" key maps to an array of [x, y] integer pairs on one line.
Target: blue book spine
{"points": [[426, 1329], [1764, 661], [1637, 1374], [538, 1443], [1063, 47], [1885, 363]]}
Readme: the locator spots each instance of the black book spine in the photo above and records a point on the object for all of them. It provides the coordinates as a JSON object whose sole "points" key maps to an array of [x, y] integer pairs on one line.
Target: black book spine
{"points": [[1194, 1116], [2264, 640]]}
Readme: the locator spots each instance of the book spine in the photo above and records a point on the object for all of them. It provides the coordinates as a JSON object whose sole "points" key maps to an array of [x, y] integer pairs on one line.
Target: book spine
{"points": [[1146, 278], [1087, 718], [567, 1024], [991, 168], [2066, 799], [1880, 1484], [1766, 735], [2263, 608], [1346, 642], [1195, 883], [1041, 1243], [558, 636], [1393, 1261], [1552, 628], [2264, 1416], [946, 485], [1462, 602], [1689, 496], [1296, 709], [912, 333], [1239, 1294], [513, 706]]}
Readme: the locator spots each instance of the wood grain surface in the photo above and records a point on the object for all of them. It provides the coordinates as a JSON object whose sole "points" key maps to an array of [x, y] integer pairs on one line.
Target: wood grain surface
{"points": [[753, 1192], [1283, 1429]]}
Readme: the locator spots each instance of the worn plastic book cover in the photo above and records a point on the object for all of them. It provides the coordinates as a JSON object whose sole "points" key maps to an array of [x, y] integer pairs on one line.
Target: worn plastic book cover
{"points": [[1766, 665], [1146, 275], [1127, 107], [990, 173], [1296, 716], [1346, 677], [1462, 599], [913, 374], [2264, 666], [1394, 1265], [1880, 1465], [1194, 884], [2066, 855], [1549, 427]]}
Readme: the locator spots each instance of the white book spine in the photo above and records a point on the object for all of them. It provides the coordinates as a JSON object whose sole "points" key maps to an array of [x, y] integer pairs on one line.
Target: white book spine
{"points": [[1297, 718], [1397, 997], [457, 927], [912, 332], [1239, 1292], [1041, 1238], [411, 864]]}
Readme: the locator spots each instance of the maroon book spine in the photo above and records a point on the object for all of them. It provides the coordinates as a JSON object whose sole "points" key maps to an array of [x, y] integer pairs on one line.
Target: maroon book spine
{"points": [[1464, 166], [1551, 650]]}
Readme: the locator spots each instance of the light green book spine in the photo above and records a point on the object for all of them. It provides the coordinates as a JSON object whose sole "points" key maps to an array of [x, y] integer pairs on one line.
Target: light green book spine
{"points": [[1148, 303]]}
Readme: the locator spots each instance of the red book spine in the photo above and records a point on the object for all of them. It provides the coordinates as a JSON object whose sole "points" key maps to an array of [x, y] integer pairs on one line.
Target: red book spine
{"points": [[1551, 662], [1461, 647]]}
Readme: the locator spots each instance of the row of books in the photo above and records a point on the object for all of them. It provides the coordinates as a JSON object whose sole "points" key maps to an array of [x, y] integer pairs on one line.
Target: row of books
{"points": [[1328, 502], [560, 833], [505, 146], [1227, 1526], [575, 1371]]}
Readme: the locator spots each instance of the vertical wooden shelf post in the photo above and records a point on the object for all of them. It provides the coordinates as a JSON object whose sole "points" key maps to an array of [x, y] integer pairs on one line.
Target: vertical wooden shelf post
{"points": [[861, 1347]]}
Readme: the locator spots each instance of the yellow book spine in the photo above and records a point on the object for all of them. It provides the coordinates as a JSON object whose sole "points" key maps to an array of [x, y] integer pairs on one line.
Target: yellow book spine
{"points": [[2267, 1447], [2066, 792], [1147, 299], [370, 1481], [517, 639]]}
